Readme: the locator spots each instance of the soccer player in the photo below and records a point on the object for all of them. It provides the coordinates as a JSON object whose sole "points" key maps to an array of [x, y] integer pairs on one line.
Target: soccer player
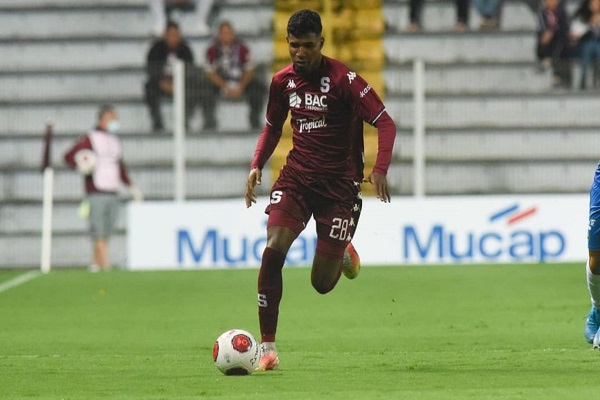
{"points": [[591, 332], [322, 176]]}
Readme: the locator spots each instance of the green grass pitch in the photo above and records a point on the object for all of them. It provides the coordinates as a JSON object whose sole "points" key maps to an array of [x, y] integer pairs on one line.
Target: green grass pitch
{"points": [[447, 332]]}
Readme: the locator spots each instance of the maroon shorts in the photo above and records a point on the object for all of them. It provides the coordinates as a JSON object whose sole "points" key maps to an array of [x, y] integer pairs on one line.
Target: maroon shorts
{"points": [[334, 203]]}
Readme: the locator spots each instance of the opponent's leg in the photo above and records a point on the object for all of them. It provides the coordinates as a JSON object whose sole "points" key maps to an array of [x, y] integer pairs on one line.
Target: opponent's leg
{"points": [[270, 290], [592, 269], [592, 323]]}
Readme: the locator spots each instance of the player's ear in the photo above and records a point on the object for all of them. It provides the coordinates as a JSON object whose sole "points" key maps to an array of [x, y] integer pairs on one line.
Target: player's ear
{"points": [[287, 39], [322, 42]]}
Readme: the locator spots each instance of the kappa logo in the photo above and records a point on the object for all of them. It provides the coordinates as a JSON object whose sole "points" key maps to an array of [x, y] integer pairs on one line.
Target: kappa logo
{"points": [[351, 75], [295, 100], [291, 84]]}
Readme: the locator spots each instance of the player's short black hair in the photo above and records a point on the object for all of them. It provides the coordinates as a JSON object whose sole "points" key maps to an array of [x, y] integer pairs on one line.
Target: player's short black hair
{"points": [[225, 23], [104, 109], [171, 24], [304, 22]]}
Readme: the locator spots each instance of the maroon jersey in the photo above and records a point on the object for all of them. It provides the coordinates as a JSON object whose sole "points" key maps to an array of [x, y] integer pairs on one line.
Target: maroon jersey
{"points": [[328, 108]]}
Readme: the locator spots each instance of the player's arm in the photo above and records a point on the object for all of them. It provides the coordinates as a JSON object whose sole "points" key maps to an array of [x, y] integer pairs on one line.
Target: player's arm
{"points": [[124, 173], [134, 191], [277, 110], [369, 106], [267, 142], [386, 129], [82, 143], [154, 64]]}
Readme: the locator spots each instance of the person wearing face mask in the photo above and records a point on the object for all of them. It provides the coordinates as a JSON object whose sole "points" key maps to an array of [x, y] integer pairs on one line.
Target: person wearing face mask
{"points": [[97, 155]]}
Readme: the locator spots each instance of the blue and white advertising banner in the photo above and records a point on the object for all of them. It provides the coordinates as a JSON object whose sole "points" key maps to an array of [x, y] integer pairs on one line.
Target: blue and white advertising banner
{"points": [[435, 230]]}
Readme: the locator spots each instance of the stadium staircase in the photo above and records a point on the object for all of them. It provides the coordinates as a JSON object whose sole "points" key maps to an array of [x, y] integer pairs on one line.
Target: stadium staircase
{"points": [[493, 123]]}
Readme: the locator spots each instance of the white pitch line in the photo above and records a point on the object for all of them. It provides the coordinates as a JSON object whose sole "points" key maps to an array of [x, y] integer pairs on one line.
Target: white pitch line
{"points": [[19, 280]]}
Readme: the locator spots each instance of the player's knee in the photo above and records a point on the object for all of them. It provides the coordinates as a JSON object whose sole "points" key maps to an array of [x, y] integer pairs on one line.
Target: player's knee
{"points": [[280, 239], [594, 264], [322, 287], [278, 245]]}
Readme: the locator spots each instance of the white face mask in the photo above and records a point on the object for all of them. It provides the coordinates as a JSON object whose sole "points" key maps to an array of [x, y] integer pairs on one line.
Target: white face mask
{"points": [[113, 126]]}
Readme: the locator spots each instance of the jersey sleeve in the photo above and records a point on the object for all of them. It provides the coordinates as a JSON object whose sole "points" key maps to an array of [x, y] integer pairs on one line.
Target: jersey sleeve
{"points": [[210, 59], [277, 111], [82, 143], [186, 54], [366, 103], [277, 105]]}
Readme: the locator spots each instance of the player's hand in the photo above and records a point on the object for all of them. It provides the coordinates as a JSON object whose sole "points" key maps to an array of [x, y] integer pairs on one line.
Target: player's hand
{"points": [[547, 36], [235, 92], [254, 178], [379, 182], [166, 85], [136, 193]]}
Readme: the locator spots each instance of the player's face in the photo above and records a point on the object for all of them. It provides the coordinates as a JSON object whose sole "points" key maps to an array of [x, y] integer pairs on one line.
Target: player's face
{"points": [[106, 119], [172, 37], [305, 52], [226, 35]]}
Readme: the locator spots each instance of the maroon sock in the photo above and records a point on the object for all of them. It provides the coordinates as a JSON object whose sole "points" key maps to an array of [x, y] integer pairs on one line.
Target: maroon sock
{"points": [[270, 289]]}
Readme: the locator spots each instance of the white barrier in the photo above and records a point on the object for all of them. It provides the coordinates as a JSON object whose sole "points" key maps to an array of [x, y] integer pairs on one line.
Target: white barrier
{"points": [[478, 229]]}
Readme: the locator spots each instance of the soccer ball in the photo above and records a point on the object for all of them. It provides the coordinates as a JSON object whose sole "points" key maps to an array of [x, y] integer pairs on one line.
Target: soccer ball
{"points": [[86, 161], [236, 352]]}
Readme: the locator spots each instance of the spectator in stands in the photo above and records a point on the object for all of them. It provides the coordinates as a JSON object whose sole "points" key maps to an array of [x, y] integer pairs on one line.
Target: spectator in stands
{"points": [[490, 13], [159, 69], [161, 13], [462, 15], [585, 31], [231, 73], [98, 156], [553, 48]]}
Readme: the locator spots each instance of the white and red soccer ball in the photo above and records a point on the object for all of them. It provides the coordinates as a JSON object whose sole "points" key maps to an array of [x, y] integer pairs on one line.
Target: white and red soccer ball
{"points": [[236, 352], [85, 160]]}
